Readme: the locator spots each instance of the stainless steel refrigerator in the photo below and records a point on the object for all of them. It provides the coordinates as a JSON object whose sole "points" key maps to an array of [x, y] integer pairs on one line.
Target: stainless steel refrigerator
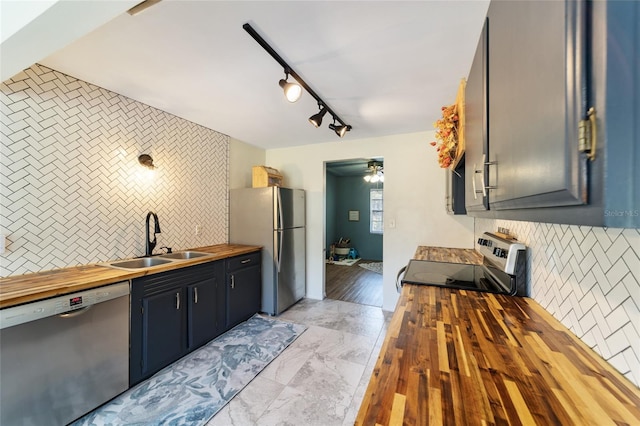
{"points": [[274, 218]]}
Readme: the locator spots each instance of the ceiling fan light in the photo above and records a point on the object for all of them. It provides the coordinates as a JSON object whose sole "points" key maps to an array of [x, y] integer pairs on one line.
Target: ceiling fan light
{"points": [[316, 119], [367, 178], [292, 91], [375, 178]]}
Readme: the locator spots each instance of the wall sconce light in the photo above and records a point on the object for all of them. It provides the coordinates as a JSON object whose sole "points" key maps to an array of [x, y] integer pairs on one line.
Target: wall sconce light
{"points": [[146, 161], [316, 119]]}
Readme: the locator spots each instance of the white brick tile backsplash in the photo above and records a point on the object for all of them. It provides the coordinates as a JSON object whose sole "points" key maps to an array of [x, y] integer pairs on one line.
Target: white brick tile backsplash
{"points": [[617, 271], [588, 278], [71, 186], [632, 261]]}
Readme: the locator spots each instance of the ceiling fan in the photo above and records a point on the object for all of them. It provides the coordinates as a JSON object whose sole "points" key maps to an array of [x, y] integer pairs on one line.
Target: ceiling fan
{"points": [[375, 171]]}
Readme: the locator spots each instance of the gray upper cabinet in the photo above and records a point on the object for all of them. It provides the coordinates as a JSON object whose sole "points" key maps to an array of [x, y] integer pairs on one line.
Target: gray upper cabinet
{"points": [[476, 195], [548, 64], [536, 99]]}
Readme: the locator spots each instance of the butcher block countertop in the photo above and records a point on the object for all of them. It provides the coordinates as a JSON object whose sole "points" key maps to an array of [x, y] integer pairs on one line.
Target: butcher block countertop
{"points": [[445, 254], [19, 289], [470, 358]]}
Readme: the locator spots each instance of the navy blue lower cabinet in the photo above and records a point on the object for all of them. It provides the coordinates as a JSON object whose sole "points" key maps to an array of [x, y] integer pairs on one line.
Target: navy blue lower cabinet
{"points": [[173, 313], [202, 312], [163, 330], [243, 287]]}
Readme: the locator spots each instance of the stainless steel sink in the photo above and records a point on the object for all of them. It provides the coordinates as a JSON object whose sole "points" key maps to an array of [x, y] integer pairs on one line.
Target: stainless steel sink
{"points": [[143, 262], [184, 255]]}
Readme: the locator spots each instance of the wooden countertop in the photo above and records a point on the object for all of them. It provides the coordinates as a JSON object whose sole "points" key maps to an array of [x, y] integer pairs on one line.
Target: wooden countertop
{"points": [[19, 289], [463, 357], [446, 254]]}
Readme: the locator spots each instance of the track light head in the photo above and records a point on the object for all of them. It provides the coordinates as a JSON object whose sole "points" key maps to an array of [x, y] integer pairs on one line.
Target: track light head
{"points": [[340, 130], [292, 91], [316, 119]]}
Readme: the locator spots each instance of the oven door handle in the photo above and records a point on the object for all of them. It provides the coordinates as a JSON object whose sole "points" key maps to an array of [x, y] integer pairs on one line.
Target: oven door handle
{"points": [[491, 278], [398, 283]]}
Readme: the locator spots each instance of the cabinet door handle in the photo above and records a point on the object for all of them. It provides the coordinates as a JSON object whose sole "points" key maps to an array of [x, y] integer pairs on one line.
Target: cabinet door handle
{"points": [[195, 295], [473, 182], [485, 163], [233, 281], [177, 301], [594, 133], [244, 262]]}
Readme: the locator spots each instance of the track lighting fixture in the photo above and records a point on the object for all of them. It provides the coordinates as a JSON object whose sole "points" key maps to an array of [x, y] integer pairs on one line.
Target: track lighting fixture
{"points": [[316, 119], [340, 130], [293, 91]]}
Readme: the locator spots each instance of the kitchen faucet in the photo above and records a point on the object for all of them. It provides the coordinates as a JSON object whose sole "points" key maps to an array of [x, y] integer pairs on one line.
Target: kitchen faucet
{"points": [[150, 245]]}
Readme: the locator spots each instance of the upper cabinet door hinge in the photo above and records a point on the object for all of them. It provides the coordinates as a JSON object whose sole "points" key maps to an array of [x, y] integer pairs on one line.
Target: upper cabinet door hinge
{"points": [[587, 134]]}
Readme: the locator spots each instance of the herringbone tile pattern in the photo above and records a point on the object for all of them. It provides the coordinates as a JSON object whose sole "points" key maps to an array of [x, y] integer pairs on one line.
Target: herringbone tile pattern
{"points": [[71, 186], [589, 279]]}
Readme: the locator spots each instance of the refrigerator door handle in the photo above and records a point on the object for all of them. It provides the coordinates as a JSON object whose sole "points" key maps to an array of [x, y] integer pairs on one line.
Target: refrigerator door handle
{"points": [[279, 252], [279, 224]]}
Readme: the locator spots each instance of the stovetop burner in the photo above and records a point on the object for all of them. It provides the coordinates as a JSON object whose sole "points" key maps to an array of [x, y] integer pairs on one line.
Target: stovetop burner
{"points": [[454, 275], [502, 271]]}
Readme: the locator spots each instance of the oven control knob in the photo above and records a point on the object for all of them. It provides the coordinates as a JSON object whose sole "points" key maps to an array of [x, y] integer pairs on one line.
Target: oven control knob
{"points": [[503, 254], [484, 242]]}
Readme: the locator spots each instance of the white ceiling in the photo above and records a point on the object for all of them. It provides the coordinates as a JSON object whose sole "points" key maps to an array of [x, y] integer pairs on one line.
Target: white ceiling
{"points": [[386, 67]]}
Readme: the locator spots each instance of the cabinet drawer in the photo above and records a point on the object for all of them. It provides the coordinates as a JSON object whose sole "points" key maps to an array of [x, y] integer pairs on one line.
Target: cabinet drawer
{"points": [[243, 261]]}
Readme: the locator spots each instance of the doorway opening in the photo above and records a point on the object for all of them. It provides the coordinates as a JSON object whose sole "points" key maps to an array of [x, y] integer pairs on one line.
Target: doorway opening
{"points": [[354, 209]]}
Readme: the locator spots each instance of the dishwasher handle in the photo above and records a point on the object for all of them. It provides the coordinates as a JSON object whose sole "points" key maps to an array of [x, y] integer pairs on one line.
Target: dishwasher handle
{"points": [[75, 313]]}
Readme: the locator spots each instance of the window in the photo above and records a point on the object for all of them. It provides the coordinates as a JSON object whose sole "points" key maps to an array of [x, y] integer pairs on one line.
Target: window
{"points": [[375, 209]]}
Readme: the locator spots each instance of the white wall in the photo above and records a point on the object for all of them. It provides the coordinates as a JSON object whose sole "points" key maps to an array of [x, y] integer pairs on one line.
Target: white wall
{"points": [[242, 157], [414, 199]]}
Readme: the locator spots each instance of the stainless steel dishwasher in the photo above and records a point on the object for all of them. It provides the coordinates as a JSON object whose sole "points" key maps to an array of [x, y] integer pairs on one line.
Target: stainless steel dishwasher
{"points": [[62, 357]]}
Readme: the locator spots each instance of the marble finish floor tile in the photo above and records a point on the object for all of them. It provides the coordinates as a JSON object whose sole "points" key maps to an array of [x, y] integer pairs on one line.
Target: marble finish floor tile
{"points": [[322, 377], [338, 315], [248, 405], [286, 366]]}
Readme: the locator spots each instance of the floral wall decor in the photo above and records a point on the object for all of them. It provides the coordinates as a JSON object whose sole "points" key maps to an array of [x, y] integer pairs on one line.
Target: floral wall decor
{"points": [[450, 132]]}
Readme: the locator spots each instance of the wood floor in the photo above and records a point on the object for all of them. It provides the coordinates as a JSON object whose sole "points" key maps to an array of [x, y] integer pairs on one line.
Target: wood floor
{"points": [[353, 284]]}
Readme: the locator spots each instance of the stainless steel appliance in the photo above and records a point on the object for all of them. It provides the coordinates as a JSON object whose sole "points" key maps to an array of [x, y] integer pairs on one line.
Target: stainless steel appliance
{"points": [[274, 218], [62, 357], [503, 269]]}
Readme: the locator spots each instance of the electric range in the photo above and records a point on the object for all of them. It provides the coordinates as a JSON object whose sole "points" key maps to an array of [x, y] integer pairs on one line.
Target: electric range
{"points": [[503, 269]]}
